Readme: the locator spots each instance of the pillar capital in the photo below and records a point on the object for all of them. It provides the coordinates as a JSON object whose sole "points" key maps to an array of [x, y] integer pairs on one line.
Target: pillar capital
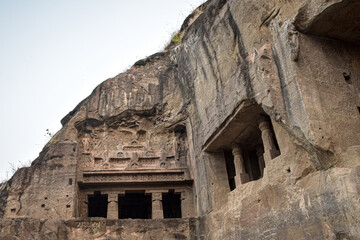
{"points": [[156, 196], [236, 149], [264, 124], [113, 197]]}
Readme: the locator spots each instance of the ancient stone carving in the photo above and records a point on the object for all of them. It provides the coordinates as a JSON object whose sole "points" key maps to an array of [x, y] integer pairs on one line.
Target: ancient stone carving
{"points": [[267, 136], [241, 176], [157, 208], [134, 177], [293, 41]]}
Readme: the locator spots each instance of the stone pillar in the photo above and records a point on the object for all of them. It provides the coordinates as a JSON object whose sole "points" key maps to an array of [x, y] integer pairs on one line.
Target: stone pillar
{"points": [[267, 136], [113, 206], [260, 155], [83, 208], [157, 207], [184, 206], [241, 176]]}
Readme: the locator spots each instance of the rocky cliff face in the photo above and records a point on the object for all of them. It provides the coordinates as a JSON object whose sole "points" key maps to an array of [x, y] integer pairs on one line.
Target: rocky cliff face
{"points": [[258, 107]]}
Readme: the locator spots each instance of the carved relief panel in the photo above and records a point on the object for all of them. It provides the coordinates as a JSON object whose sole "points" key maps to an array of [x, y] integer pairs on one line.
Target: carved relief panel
{"points": [[131, 142]]}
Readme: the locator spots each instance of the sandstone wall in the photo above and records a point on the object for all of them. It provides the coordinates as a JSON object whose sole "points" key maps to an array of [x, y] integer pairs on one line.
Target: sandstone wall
{"points": [[297, 62], [250, 50], [98, 228]]}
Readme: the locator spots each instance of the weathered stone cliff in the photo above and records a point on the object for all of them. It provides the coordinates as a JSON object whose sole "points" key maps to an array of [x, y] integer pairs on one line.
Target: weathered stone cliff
{"points": [[253, 118]]}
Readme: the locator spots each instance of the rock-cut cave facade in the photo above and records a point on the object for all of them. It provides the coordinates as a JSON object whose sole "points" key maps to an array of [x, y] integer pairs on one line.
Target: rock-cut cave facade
{"points": [[248, 128]]}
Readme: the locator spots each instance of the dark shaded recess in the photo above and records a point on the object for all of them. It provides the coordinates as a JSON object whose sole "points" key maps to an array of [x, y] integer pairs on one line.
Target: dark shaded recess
{"points": [[87, 125], [141, 132], [252, 165], [275, 140], [114, 122], [347, 77], [340, 21], [358, 108], [130, 113], [230, 169], [135, 206], [181, 129], [149, 59], [97, 205], [180, 133], [171, 205]]}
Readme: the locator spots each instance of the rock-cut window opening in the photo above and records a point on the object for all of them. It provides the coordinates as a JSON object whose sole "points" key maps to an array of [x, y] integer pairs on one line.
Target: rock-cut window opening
{"points": [[246, 144], [97, 204], [135, 205], [171, 204]]}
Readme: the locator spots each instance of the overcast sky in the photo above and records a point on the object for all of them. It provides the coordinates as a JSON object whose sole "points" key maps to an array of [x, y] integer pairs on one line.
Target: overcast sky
{"points": [[54, 53]]}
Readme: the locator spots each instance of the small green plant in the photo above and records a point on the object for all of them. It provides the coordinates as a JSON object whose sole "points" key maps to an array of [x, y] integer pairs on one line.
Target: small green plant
{"points": [[48, 133], [50, 136], [177, 37]]}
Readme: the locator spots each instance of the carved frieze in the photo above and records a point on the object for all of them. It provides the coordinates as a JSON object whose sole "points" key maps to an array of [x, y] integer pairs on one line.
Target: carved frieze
{"points": [[130, 144], [133, 177]]}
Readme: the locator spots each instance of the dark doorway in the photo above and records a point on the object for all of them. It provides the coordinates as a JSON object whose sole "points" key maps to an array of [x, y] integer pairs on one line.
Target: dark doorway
{"points": [[135, 205], [230, 169], [97, 205], [171, 204]]}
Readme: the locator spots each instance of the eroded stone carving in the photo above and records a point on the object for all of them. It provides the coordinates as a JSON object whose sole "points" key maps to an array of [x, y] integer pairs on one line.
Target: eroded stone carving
{"points": [[293, 40]]}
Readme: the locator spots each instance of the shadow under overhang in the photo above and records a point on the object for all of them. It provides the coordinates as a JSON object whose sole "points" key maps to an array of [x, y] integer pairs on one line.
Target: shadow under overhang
{"points": [[241, 127]]}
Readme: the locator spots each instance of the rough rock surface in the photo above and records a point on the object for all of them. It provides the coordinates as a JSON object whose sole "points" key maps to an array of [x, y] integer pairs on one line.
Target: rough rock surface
{"points": [[244, 74], [98, 228]]}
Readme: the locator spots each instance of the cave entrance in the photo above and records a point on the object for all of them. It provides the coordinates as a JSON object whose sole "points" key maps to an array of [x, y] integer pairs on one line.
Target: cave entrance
{"points": [[246, 143], [97, 205], [135, 205], [171, 204]]}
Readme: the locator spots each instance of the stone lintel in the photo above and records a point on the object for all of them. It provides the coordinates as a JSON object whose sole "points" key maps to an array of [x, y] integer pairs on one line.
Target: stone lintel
{"points": [[150, 191], [135, 176]]}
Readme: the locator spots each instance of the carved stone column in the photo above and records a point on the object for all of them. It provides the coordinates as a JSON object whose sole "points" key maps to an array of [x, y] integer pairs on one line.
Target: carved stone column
{"points": [[260, 155], [83, 206], [241, 176], [113, 207], [267, 136], [184, 205], [157, 207]]}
